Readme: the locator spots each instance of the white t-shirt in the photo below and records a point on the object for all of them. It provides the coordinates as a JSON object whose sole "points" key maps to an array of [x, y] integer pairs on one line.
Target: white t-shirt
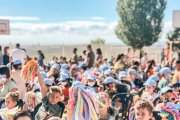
{"points": [[18, 54], [19, 82]]}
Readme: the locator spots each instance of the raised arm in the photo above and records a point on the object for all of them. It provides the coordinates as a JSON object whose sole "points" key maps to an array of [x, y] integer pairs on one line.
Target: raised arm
{"points": [[42, 84]]}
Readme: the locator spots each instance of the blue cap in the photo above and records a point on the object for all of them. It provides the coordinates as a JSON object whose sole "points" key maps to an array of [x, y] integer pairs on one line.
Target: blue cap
{"points": [[85, 74], [156, 68], [166, 89], [64, 66], [56, 66], [108, 72], [65, 71], [48, 82], [165, 70], [17, 62], [63, 77], [110, 80], [150, 83], [91, 77], [43, 74], [122, 74], [103, 67], [133, 71], [82, 65], [154, 77], [0, 77]]}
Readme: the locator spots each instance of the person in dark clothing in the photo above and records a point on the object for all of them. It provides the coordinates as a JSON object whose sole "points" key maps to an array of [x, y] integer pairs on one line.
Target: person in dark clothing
{"points": [[90, 57], [75, 56], [6, 55], [40, 58]]}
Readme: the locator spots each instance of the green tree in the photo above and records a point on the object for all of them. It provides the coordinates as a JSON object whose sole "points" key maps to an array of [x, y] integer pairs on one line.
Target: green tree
{"points": [[140, 21], [174, 36], [98, 41]]}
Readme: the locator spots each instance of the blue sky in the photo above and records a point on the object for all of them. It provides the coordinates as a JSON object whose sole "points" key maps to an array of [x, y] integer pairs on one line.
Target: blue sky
{"points": [[40, 21]]}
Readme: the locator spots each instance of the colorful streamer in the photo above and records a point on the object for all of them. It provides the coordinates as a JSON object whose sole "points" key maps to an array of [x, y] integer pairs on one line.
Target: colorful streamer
{"points": [[84, 102], [29, 70]]}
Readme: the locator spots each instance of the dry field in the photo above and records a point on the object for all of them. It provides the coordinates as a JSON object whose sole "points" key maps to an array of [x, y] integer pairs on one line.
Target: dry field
{"points": [[66, 50]]}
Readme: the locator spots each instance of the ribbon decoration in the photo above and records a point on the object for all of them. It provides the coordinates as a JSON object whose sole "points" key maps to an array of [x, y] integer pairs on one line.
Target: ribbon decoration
{"points": [[171, 110], [28, 72], [8, 115], [84, 102], [31, 100]]}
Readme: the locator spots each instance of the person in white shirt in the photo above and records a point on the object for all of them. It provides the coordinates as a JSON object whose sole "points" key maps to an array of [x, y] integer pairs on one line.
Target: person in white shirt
{"points": [[144, 59], [18, 54]]}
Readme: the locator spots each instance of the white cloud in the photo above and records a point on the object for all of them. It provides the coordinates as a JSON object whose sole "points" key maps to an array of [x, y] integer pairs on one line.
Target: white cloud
{"points": [[20, 18], [167, 27], [69, 32], [97, 18], [57, 33]]}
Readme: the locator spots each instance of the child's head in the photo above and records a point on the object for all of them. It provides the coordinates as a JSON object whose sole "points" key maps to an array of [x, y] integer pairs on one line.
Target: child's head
{"points": [[150, 89], [105, 98], [11, 99], [22, 115], [150, 86], [55, 95], [143, 111]]}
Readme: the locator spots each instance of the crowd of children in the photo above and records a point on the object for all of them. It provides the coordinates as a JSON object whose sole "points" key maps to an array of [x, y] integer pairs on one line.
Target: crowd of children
{"points": [[89, 88]]}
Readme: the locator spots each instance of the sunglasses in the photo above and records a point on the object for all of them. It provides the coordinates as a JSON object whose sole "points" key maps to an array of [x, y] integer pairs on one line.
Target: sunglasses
{"points": [[14, 94]]}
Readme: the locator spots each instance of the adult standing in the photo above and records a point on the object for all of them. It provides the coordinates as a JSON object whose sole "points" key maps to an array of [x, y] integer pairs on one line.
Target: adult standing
{"points": [[90, 57], [40, 58], [75, 56], [176, 77], [162, 55], [6, 55], [99, 54], [18, 54]]}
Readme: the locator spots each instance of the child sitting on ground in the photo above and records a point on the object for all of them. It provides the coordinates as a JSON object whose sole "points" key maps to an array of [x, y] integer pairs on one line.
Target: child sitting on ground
{"points": [[50, 100], [144, 111]]}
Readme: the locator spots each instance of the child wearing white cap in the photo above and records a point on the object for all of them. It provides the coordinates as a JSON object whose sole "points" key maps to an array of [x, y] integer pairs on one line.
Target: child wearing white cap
{"points": [[149, 93], [165, 77]]}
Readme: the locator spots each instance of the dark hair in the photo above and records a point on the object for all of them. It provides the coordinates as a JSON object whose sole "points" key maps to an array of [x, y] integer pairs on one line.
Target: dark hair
{"points": [[89, 46], [178, 62], [17, 45], [56, 89], [119, 57], [98, 51], [5, 50], [14, 96], [22, 114], [84, 52], [5, 71], [16, 66], [40, 53], [74, 50]]}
